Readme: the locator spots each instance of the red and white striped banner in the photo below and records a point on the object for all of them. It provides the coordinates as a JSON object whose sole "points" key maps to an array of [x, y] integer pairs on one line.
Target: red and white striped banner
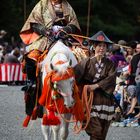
{"points": [[11, 72]]}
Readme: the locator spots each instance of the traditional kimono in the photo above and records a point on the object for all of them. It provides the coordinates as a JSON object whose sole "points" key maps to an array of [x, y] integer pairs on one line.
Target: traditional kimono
{"points": [[44, 14], [89, 72]]}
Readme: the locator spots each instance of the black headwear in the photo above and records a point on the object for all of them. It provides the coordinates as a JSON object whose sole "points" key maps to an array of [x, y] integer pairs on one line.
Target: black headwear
{"points": [[133, 44], [101, 37]]}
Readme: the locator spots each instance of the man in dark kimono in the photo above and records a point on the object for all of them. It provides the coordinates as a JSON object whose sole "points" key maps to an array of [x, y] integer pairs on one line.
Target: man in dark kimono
{"points": [[99, 74]]}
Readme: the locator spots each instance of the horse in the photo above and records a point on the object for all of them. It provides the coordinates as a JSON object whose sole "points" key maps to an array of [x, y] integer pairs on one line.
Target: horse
{"points": [[59, 85]]}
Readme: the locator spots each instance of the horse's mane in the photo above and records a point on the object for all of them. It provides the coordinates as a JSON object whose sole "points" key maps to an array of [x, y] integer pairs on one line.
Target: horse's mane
{"points": [[59, 52]]}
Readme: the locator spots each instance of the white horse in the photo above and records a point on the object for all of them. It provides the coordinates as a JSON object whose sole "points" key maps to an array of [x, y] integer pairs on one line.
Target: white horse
{"points": [[59, 59]]}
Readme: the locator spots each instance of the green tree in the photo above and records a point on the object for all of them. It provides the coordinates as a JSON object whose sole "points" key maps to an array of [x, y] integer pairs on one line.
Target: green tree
{"points": [[119, 19]]}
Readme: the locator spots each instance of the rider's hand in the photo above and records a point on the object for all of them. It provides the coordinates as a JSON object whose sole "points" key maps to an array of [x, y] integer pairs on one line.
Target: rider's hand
{"points": [[61, 34], [47, 33], [39, 29]]}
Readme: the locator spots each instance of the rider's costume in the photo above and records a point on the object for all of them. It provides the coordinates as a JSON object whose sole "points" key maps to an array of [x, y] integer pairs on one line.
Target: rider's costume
{"points": [[47, 15]]}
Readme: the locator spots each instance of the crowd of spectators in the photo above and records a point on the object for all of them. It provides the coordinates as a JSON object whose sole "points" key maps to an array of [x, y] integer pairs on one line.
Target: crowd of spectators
{"points": [[127, 59], [10, 50]]}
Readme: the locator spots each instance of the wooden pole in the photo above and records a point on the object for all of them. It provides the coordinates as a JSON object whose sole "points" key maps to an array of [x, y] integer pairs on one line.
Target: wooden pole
{"points": [[24, 10], [126, 47], [88, 17]]}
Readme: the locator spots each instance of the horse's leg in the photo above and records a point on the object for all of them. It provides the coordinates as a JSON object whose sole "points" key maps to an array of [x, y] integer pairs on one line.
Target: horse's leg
{"points": [[46, 132], [55, 130], [64, 129]]}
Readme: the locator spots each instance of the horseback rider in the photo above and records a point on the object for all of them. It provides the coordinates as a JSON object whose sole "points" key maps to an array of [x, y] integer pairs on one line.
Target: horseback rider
{"points": [[48, 17]]}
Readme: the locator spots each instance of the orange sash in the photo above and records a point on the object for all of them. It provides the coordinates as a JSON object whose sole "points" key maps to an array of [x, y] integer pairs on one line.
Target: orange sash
{"points": [[29, 37]]}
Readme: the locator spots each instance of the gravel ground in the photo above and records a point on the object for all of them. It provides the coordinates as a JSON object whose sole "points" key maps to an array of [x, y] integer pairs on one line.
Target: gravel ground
{"points": [[12, 115]]}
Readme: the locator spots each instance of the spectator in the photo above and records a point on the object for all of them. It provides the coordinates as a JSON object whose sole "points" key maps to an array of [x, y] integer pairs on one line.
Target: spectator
{"points": [[22, 52], [13, 57], [134, 64], [3, 34], [137, 78], [1, 53], [118, 58], [130, 51]]}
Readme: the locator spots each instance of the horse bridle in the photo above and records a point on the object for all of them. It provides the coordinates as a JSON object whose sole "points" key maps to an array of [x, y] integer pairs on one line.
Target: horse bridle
{"points": [[56, 89]]}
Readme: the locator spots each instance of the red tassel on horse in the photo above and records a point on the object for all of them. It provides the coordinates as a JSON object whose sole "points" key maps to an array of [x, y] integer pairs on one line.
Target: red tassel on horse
{"points": [[26, 121], [52, 118]]}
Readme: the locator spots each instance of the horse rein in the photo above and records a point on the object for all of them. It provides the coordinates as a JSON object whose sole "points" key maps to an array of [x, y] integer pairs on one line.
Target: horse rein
{"points": [[87, 102]]}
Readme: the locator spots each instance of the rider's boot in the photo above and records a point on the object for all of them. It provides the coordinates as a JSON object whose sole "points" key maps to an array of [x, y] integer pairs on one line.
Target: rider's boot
{"points": [[30, 69]]}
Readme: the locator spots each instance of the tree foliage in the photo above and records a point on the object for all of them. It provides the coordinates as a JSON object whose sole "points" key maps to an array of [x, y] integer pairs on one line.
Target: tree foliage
{"points": [[118, 19]]}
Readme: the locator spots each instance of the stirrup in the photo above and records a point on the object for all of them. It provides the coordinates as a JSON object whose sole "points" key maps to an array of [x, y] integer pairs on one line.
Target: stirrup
{"points": [[25, 88], [28, 86]]}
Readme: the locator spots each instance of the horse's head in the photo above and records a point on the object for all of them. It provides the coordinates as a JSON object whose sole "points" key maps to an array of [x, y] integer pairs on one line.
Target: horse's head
{"points": [[63, 79], [60, 61]]}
